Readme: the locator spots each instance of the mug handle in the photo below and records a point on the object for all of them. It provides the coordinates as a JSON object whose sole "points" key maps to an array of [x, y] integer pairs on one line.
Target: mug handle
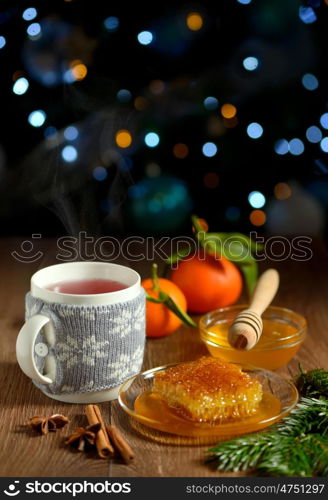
{"points": [[25, 345]]}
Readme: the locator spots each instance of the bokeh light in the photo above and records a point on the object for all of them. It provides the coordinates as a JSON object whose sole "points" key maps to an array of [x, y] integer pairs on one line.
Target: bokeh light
{"points": [[194, 21], [180, 150], [2, 42], [71, 133], [69, 154], [200, 94], [171, 194], [209, 149], [34, 30], [307, 15], [157, 87], [111, 23], [155, 205], [310, 82], [232, 213], [140, 103], [254, 130], [313, 134], [29, 14], [296, 147], [250, 63], [211, 180], [211, 102], [324, 120], [228, 110], [145, 37], [282, 191], [257, 217], [153, 170], [324, 144], [124, 95], [281, 147], [37, 118], [79, 71], [68, 76], [256, 199], [20, 86], [152, 139], [123, 138], [99, 173]]}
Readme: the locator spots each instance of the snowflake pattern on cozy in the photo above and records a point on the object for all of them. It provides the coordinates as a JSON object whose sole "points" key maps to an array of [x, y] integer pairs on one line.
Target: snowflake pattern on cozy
{"points": [[96, 347], [123, 323], [87, 350]]}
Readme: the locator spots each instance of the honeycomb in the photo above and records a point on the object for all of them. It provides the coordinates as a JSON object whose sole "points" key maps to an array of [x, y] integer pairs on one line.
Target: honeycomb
{"points": [[209, 390]]}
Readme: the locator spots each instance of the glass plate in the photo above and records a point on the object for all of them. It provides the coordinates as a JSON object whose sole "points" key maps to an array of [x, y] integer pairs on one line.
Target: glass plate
{"points": [[164, 425]]}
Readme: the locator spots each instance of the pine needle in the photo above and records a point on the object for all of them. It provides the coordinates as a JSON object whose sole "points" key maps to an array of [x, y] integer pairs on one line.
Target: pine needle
{"points": [[313, 383], [297, 446]]}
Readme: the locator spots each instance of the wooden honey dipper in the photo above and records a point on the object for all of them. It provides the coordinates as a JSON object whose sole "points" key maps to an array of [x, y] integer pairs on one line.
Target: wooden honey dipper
{"points": [[247, 327]]}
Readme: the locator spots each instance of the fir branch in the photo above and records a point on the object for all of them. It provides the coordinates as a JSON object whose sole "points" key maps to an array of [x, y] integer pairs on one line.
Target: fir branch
{"points": [[313, 383], [318, 446], [297, 446], [289, 458], [241, 453], [309, 416]]}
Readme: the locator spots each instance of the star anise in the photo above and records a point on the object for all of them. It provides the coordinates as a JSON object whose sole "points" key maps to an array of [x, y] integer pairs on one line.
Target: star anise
{"points": [[43, 425], [83, 437]]}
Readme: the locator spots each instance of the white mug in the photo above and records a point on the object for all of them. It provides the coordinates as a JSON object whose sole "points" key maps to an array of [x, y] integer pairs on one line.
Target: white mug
{"points": [[80, 348]]}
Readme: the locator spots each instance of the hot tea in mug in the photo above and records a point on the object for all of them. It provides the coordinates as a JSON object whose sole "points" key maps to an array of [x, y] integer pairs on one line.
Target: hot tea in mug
{"points": [[84, 332], [87, 287]]}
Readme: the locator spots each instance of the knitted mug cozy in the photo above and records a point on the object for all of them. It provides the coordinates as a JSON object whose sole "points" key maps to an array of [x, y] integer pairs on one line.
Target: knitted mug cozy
{"points": [[95, 347]]}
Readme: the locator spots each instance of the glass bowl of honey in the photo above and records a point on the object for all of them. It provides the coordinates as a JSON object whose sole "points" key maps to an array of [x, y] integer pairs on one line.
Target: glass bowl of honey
{"points": [[151, 416], [284, 332]]}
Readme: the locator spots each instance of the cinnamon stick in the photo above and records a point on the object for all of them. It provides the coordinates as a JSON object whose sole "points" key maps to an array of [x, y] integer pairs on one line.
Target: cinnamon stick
{"points": [[120, 444], [103, 444]]}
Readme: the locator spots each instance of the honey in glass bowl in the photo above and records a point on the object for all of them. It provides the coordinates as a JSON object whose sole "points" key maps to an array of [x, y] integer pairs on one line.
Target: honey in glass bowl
{"points": [[153, 418], [283, 333]]}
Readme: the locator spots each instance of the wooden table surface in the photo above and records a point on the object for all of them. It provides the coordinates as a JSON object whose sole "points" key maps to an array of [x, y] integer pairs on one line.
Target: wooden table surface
{"points": [[304, 288]]}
